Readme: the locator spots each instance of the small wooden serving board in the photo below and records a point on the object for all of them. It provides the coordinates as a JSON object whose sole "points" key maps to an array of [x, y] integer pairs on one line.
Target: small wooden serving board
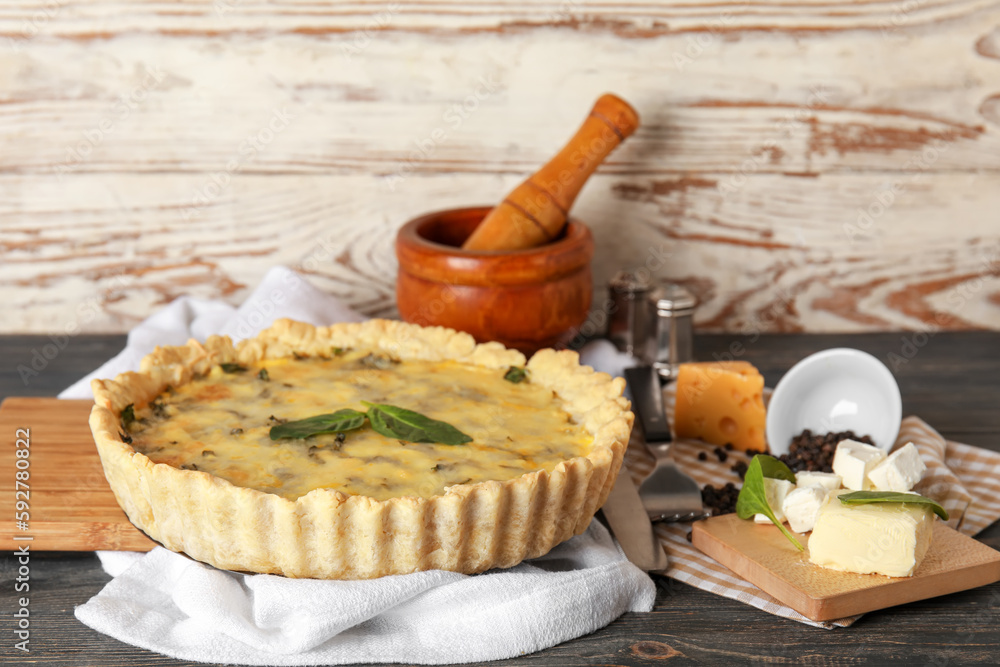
{"points": [[71, 506], [763, 556]]}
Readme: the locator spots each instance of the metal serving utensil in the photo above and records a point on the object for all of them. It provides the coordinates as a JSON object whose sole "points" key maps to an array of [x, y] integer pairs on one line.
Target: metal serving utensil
{"points": [[667, 493], [625, 515]]}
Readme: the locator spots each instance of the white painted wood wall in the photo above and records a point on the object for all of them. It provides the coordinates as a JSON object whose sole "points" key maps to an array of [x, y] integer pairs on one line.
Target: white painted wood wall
{"points": [[817, 165]]}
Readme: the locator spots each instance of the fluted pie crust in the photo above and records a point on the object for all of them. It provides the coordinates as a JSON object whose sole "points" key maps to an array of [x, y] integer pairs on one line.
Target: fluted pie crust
{"points": [[326, 534]]}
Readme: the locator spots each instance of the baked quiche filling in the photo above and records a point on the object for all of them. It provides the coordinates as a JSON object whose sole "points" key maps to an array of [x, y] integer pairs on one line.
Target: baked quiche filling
{"points": [[310, 451], [221, 422]]}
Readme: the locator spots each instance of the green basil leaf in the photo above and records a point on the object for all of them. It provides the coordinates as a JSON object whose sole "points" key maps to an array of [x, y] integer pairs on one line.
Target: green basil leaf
{"points": [[867, 497], [232, 368], [775, 468], [335, 422], [753, 496], [403, 424], [515, 374], [128, 414], [262, 374]]}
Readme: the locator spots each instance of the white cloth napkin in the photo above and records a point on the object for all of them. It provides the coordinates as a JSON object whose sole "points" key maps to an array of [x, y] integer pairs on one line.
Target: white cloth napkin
{"points": [[282, 293], [168, 603]]}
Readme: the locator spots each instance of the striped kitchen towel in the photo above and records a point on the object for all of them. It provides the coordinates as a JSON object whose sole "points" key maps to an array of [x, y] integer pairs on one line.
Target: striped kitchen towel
{"points": [[964, 479]]}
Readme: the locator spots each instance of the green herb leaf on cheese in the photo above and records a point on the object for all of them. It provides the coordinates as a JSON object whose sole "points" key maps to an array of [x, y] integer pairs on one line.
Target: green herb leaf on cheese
{"points": [[262, 374], [335, 422], [753, 496], [232, 368], [866, 497], [403, 424], [515, 374], [128, 415]]}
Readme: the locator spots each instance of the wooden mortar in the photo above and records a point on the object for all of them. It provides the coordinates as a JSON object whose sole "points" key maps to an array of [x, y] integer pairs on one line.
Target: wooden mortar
{"points": [[525, 299]]}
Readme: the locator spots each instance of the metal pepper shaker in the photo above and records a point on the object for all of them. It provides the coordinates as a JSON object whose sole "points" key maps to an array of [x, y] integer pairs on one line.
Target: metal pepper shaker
{"points": [[631, 324], [673, 309]]}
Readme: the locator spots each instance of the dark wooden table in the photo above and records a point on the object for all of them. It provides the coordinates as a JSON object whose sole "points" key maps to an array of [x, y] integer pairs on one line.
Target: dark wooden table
{"points": [[952, 380]]}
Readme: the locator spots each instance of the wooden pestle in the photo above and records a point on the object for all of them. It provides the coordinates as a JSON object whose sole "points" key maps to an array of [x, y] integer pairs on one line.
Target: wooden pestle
{"points": [[535, 211]]}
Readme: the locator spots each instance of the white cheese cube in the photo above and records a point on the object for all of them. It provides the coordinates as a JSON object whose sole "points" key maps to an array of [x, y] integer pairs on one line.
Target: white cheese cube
{"points": [[900, 471], [883, 538], [775, 491], [802, 505], [853, 461], [828, 480]]}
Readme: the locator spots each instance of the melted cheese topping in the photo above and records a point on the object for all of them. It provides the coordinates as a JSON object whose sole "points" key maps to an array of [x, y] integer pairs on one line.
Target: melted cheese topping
{"points": [[220, 424]]}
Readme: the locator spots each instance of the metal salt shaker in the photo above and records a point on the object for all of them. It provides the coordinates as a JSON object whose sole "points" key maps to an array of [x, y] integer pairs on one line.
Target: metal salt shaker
{"points": [[631, 325], [672, 310]]}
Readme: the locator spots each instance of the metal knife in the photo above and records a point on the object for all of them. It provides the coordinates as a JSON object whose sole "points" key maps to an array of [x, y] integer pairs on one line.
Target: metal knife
{"points": [[630, 524]]}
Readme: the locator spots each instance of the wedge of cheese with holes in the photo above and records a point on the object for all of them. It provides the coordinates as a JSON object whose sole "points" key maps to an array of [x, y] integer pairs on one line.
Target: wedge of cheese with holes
{"points": [[720, 402], [878, 538]]}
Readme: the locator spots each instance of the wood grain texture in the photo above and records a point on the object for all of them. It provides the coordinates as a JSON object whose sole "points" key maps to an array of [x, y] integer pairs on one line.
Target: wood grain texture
{"points": [[797, 269], [810, 166], [71, 505], [765, 557]]}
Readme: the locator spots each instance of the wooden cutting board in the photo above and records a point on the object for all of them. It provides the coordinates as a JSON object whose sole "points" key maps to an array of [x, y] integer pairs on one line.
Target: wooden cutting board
{"points": [[763, 556], [71, 506]]}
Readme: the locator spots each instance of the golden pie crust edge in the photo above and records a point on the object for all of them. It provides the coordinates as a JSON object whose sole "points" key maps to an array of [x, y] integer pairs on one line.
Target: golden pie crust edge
{"points": [[328, 535]]}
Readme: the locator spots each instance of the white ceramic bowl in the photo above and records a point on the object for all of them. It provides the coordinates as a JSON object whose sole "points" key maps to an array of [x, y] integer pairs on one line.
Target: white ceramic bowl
{"points": [[838, 389]]}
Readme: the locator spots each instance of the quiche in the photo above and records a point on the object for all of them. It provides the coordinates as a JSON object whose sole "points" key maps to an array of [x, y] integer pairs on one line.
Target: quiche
{"points": [[204, 450]]}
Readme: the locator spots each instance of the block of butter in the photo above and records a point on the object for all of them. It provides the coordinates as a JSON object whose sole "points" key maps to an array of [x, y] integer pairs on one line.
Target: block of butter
{"points": [[721, 402], [878, 538]]}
